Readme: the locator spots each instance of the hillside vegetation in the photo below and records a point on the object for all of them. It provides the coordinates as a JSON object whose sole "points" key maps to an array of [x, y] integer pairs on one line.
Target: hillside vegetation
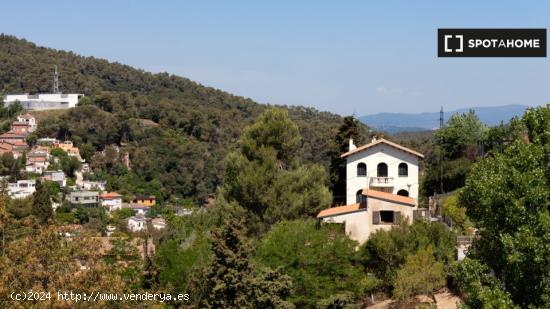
{"points": [[197, 125]]}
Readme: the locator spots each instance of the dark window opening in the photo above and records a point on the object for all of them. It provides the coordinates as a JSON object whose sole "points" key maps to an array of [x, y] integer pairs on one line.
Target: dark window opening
{"points": [[382, 170], [403, 192], [403, 169], [359, 196], [361, 169], [386, 217]]}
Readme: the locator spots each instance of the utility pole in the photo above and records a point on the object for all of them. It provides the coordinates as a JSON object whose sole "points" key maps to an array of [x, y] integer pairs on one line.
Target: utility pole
{"points": [[55, 81], [441, 153]]}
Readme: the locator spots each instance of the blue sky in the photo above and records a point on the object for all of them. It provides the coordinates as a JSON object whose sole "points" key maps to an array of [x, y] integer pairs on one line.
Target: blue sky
{"points": [[346, 57]]}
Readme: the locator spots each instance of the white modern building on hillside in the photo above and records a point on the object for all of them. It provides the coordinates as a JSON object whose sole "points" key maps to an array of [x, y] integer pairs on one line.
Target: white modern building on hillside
{"points": [[381, 188], [44, 101], [22, 188], [137, 223]]}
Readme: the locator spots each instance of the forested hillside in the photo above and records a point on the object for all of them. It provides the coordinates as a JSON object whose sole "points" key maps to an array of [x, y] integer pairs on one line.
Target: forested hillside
{"points": [[177, 132]]}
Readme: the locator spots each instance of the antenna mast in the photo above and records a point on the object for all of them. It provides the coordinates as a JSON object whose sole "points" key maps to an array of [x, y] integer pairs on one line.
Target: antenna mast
{"points": [[55, 81]]}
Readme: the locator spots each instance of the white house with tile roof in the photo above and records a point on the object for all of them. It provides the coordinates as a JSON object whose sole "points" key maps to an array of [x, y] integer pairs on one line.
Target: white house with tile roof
{"points": [[381, 188]]}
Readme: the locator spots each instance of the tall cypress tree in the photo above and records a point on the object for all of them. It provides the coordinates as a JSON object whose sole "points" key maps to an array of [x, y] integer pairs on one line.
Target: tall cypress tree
{"points": [[349, 129], [42, 205], [230, 280], [225, 276]]}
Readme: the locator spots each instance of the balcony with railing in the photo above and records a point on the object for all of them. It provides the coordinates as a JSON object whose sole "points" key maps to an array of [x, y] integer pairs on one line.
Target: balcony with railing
{"points": [[381, 181]]}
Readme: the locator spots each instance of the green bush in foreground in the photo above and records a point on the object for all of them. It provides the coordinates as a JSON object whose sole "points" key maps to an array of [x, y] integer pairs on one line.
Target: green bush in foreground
{"points": [[421, 274], [322, 261]]}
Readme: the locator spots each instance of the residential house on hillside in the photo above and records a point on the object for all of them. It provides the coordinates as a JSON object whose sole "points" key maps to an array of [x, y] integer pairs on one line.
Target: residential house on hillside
{"points": [[12, 137], [139, 209], [381, 188], [29, 120], [14, 146], [85, 198], [144, 200], [22, 128], [158, 223], [37, 161], [94, 185], [55, 176], [111, 200], [137, 223], [22, 188], [69, 148]]}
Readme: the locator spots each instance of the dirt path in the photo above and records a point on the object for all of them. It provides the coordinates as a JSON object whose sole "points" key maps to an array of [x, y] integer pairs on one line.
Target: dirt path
{"points": [[444, 299]]}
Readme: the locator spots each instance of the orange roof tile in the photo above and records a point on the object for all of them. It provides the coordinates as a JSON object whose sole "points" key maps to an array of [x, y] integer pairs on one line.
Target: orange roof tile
{"points": [[385, 141], [390, 197], [339, 210], [110, 195], [6, 146], [12, 134]]}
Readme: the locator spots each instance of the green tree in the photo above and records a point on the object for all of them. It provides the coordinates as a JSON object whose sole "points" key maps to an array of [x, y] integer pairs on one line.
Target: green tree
{"points": [[275, 130], [420, 274], [313, 257], [452, 208], [229, 277], [460, 132], [478, 287], [348, 129], [266, 178], [41, 204], [508, 197], [386, 251]]}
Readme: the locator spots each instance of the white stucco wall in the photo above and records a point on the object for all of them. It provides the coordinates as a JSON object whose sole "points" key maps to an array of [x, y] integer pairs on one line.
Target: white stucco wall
{"points": [[70, 98], [136, 225], [359, 225], [113, 204], [371, 157], [356, 224]]}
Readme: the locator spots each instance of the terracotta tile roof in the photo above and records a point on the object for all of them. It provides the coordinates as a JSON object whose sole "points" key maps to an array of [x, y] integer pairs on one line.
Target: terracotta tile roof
{"points": [[14, 142], [110, 195], [380, 141], [333, 211], [144, 197], [6, 146], [12, 135], [390, 197]]}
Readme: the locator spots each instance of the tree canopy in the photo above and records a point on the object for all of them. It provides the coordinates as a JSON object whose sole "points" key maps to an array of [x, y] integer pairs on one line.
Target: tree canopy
{"points": [[508, 196], [266, 177]]}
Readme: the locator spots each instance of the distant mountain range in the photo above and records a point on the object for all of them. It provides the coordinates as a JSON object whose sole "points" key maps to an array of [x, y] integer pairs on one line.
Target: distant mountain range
{"points": [[401, 122]]}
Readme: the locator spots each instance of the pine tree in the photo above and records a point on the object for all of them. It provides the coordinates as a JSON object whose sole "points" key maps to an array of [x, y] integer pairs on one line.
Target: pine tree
{"points": [[42, 205]]}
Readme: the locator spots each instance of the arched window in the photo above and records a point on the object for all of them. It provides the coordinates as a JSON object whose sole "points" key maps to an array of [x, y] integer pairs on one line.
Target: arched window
{"points": [[361, 169], [359, 196], [403, 192], [382, 170], [403, 169]]}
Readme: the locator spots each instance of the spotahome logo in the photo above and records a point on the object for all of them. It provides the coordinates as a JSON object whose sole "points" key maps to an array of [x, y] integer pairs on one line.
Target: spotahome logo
{"points": [[491, 42]]}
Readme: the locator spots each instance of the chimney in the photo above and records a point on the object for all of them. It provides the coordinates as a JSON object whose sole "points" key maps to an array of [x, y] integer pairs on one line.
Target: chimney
{"points": [[351, 144], [373, 139]]}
